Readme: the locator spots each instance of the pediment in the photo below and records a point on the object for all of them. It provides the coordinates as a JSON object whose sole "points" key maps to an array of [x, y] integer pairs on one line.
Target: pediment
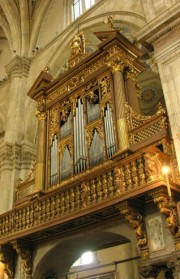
{"points": [[40, 84]]}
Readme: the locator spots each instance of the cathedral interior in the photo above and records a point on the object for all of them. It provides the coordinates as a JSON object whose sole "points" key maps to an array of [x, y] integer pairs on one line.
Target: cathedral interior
{"points": [[89, 139]]}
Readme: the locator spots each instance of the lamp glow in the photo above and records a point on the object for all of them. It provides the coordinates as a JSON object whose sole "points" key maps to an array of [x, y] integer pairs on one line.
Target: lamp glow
{"points": [[166, 171]]}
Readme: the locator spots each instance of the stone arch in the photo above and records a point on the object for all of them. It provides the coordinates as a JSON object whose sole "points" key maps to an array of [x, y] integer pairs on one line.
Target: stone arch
{"points": [[37, 19], [59, 256], [12, 15], [5, 27], [89, 25]]}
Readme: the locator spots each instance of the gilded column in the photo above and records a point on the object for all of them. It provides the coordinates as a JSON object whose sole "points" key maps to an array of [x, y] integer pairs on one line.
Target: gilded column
{"points": [[41, 151], [120, 99]]}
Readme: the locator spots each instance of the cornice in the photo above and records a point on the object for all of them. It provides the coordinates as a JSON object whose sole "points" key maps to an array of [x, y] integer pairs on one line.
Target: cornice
{"points": [[160, 25]]}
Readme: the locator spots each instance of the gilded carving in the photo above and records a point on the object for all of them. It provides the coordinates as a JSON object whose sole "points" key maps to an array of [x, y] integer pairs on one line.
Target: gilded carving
{"points": [[154, 165], [104, 85], [118, 179], [41, 115], [85, 194], [136, 221], [78, 44], [54, 122], [25, 254]]}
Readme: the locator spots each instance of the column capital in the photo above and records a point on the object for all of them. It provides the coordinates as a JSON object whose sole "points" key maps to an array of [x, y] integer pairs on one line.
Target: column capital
{"points": [[41, 115], [18, 67]]}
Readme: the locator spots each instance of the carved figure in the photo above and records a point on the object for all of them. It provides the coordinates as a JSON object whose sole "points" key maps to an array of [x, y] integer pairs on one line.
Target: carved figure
{"points": [[136, 221], [78, 44], [154, 165], [172, 220]]}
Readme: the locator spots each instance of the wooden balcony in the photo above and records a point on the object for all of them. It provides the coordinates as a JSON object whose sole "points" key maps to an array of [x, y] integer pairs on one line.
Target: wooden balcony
{"points": [[90, 197]]}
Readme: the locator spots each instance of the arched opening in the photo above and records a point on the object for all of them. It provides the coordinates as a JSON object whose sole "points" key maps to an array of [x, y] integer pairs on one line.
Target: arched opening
{"points": [[107, 245]]}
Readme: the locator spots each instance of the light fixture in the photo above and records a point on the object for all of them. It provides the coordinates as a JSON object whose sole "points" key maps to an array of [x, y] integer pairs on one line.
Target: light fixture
{"points": [[166, 171]]}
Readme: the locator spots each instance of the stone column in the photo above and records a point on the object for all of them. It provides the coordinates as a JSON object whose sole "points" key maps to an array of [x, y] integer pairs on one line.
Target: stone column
{"points": [[120, 99], [10, 150], [18, 70], [41, 151], [162, 32]]}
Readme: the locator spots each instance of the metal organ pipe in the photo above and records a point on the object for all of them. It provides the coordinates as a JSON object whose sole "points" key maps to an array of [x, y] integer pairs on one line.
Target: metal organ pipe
{"points": [[112, 132], [109, 131], [75, 146]]}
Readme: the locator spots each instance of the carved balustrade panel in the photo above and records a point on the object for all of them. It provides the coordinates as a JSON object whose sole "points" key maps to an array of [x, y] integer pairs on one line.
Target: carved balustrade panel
{"points": [[145, 128]]}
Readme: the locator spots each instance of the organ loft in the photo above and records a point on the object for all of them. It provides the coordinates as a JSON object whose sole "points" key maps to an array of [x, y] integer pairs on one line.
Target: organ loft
{"points": [[99, 161]]}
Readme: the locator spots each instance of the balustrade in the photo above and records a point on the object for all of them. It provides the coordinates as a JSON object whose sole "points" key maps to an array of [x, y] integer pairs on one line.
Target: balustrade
{"points": [[100, 187]]}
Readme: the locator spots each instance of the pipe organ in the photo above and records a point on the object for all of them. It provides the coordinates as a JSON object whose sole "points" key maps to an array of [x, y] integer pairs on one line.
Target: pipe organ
{"points": [[84, 134], [85, 122]]}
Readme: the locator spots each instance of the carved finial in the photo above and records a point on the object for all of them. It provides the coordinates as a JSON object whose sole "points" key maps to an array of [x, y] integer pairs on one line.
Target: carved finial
{"points": [[46, 69], [78, 44], [109, 21]]}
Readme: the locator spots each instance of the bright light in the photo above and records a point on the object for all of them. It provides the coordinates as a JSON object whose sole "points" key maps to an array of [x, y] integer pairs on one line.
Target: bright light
{"points": [[86, 258], [165, 169]]}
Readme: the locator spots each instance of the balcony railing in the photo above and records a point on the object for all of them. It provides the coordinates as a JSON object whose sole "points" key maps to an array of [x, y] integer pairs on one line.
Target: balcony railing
{"points": [[90, 191]]}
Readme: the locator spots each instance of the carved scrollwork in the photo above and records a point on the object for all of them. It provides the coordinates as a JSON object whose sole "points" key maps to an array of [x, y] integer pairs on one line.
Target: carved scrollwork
{"points": [[25, 254], [136, 221], [54, 122], [105, 86]]}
